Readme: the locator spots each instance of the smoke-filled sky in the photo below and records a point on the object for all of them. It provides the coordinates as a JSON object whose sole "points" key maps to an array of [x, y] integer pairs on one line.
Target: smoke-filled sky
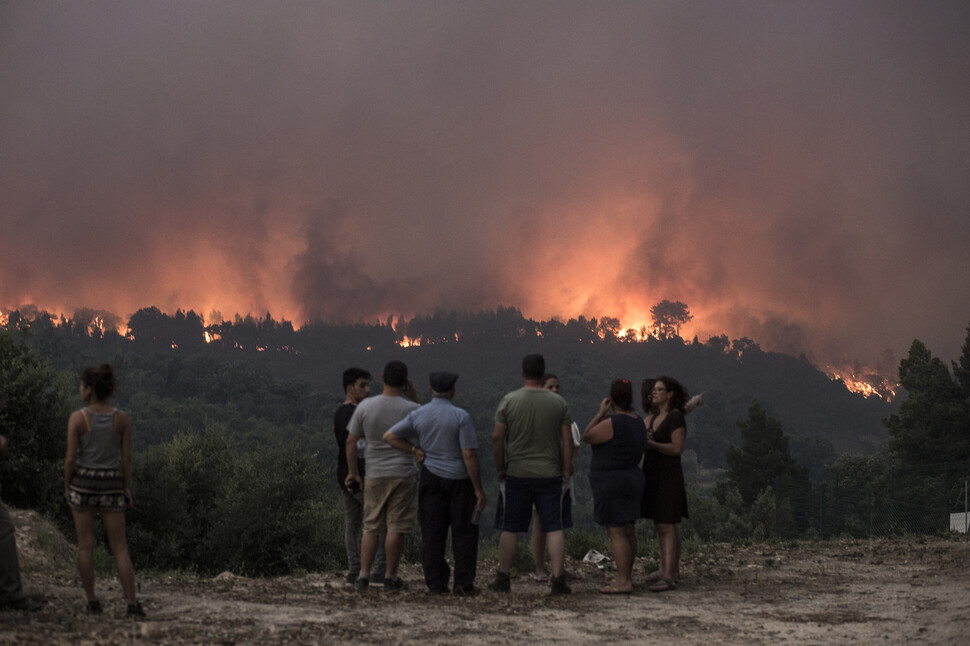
{"points": [[796, 172]]}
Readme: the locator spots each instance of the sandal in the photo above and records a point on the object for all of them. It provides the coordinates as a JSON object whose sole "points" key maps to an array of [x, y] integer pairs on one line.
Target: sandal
{"points": [[653, 577], [612, 589], [663, 585]]}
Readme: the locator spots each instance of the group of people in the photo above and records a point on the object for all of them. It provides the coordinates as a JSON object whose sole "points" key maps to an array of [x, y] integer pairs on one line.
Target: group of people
{"points": [[624, 491], [421, 463], [404, 463]]}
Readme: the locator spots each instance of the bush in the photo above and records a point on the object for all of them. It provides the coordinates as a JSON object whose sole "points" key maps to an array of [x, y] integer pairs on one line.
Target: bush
{"points": [[206, 505], [34, 407], [579, 542]]}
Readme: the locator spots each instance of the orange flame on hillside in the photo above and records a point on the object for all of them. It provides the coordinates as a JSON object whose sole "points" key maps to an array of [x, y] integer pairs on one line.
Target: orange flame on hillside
{"points": [[866, 383]]}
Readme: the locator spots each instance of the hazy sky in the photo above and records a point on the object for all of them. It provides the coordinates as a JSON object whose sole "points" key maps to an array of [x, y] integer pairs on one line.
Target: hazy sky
{"points": [[796, 172]]}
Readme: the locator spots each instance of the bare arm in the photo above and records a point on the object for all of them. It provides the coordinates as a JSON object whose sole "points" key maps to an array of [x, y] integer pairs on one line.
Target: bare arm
{"points": [[470, 458], [121, 420], [403, 445], [352, 474], [567, 452], [498, 449], [600, 428], [694, 402], [70, 456], [411, 392], [676, 445]]}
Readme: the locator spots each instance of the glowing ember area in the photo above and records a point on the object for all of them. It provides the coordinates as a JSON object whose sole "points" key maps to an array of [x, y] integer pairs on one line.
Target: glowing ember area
{"points": [[868, 384], [408, 342], [635, 333], [211, 336]]}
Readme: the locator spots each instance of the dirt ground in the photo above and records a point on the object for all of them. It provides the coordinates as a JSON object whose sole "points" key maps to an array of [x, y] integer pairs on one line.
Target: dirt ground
{"points": [[887, 591]]}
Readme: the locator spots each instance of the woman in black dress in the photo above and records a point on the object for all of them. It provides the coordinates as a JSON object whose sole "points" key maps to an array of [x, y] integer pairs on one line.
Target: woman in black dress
{"points": [[615, 477], [664, 496]]}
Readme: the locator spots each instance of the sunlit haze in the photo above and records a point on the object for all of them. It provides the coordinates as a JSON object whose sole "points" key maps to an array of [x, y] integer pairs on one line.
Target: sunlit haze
{"points": [[796, 172]]}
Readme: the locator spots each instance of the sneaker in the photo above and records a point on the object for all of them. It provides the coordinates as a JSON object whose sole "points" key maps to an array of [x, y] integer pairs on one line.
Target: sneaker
{"points": [[501, 582], [394, 583], [94, 607], [135, 611], [360, 584], [559, 585], [377, 578]]}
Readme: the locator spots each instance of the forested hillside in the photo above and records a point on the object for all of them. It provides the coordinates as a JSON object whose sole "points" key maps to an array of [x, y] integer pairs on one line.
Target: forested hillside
{"points": [[267, 381], [235, 456]]}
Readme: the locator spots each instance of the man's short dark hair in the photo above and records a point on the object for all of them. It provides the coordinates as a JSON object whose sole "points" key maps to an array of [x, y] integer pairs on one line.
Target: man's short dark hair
{"points": [[395, 374], [533, 367], [351, 375]]}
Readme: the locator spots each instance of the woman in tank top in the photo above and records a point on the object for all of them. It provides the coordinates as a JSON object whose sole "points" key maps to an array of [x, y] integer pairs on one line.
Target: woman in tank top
{"points": [[97, 476], [616, 479]]}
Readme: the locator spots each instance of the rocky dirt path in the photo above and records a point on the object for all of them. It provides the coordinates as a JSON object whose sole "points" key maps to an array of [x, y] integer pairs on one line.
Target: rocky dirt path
{"points": [[906, 590]]}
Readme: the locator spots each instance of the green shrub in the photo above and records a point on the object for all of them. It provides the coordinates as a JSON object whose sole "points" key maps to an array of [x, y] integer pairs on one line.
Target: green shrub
{"points": [[34, 407], [204, 504], [579, 542]]}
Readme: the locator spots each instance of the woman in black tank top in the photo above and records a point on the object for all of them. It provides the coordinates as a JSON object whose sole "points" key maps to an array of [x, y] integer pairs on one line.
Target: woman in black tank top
{"points": [[616, 479]]}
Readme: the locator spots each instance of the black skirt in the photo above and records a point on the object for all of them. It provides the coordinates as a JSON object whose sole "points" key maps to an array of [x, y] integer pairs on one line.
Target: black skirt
{"points": [[616, 496]]}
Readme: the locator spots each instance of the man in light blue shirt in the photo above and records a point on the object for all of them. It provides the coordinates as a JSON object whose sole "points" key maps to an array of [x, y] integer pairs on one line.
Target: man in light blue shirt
{"points": [[442, 438]]}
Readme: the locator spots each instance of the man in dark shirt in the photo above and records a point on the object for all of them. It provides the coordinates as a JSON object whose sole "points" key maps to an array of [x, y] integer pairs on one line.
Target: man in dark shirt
{"points": [[356, 388]]}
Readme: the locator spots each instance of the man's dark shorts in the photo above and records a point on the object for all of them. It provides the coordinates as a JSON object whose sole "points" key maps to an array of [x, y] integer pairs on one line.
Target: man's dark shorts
{"points": [[514, 510]]}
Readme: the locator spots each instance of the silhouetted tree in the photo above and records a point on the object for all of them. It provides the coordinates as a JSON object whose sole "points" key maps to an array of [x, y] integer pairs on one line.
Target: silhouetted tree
{"points": [[720, 343], [740, 346], [609, 327], [961, 368], [763, 457], [933, 422], [668, 317]]}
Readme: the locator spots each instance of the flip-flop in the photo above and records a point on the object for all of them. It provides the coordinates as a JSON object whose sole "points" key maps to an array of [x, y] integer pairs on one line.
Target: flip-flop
{"points": [[612, 589]]}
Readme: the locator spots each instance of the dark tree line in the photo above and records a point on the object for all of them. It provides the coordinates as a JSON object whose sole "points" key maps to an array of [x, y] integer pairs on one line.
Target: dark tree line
{"points": [[259, 396]]}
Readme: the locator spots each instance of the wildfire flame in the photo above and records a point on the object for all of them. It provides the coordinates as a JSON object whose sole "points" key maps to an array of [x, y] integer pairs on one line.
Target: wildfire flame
{"points": [[862, 380], [868, 383]]}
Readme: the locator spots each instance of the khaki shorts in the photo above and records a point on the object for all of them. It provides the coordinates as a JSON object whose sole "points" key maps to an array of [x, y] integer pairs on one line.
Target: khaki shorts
{"points": [[390, 505]]}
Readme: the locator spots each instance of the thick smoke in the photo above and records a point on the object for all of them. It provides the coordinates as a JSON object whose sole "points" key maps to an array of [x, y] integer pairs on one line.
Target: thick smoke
{"points": [[795, 172]]}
